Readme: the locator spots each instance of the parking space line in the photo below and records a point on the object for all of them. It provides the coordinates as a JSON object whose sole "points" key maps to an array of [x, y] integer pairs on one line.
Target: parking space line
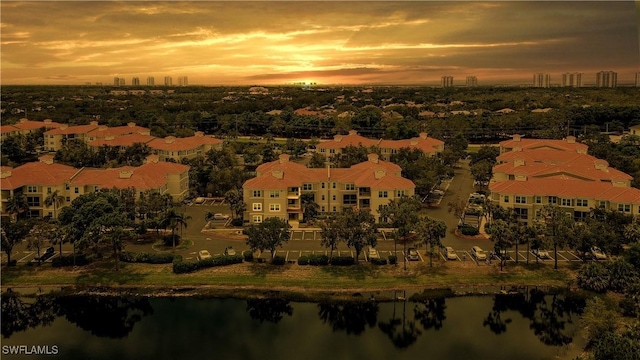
{"points": [[30, 253], [574, 255], [565, 259]]}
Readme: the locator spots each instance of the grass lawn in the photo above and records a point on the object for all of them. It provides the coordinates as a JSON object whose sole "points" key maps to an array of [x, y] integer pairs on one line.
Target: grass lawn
{"points": [[261, 276]]}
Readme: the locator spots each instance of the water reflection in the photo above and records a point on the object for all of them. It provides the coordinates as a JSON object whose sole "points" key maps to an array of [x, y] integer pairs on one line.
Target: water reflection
{"points": [[102, 316], [353, 317], [269, 310], [402, 332]]}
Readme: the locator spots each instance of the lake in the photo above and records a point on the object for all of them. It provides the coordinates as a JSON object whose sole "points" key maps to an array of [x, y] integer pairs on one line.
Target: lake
{"points": [[528, 325]]}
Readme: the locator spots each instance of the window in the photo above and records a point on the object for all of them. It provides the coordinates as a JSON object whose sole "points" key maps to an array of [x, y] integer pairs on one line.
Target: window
{"points": [[68, 199], [66, 186], [257, 206], [603, 204], [32, 189], [553, 200], [512, 177], [257, 193], [48, 190], [520, 199], [322, 197], [33, 200], [333, 185], [76, 190], [624, 207], [274, 194], [582, 202], [506, 198], [334, 209], [307, 186], [566, 202], [400, 193], [322, 185], [383, 194], [349, 199], [322, 209], [332, 151], [274, 207], [522, 213], [333, 198], [538, 199], [349, 186], [322, 150], [257, 219]]}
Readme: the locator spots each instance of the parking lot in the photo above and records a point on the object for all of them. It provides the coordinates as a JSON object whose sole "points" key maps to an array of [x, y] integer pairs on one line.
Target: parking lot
{"points": [[563, 256]]}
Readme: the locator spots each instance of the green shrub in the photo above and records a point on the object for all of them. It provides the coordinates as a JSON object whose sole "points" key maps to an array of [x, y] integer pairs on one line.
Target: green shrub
{"points": [[181, 267], [67, 260], [237, 222], [342, 260], [147, 258], [318, 260], [376, 261], [630, 307], [248, 256], [593, 276], [303, 260], [278, 260], [393, 259], [167, 240], [621, 275], [468, 230]]}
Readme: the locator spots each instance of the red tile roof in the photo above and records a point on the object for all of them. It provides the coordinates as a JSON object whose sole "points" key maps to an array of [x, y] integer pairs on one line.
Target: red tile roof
{"points": [[422, 142], [7, 129], [146, 177], [568, 144], [342, 141], [124, 140], [546, 155], [577, 170], [68, 130], [568, 189], [25, 124], [37, 173], [171, 143], [104, 131], [362, 175]]}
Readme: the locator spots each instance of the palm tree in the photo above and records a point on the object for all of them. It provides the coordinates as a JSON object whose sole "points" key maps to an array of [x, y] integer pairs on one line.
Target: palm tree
{"points": [[173, 219], [54, 199], [16, 205]]}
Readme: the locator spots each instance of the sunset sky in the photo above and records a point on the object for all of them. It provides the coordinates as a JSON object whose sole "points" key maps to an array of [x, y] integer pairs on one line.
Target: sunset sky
{"points": [[270, 43]]}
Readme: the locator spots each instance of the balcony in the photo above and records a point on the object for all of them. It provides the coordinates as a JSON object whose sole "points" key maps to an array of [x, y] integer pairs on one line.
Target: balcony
{"points": [[364, 193]]}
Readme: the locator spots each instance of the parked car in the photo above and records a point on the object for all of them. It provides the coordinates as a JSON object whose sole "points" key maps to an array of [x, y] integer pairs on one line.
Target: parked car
{"points": [[219, 216], [450, 254], [598, 254], [203, 255], [478, 253], [199, 200], [49, 252], [229, 251], [502, 254], [373, 253], [412, 254], [541, 253], [473, 209], [437, 192]]}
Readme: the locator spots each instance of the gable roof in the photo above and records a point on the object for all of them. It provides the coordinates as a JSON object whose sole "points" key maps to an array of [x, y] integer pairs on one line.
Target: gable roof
{"points": [[124, 140], [352, 139], [568, 144], [68, 130], [171, 143], [37, 173], [131, 128], [25, 124], [568, 188], [149, 176]]}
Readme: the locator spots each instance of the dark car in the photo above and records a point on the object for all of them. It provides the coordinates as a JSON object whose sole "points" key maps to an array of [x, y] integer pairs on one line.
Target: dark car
{"points": [[47, 254]]}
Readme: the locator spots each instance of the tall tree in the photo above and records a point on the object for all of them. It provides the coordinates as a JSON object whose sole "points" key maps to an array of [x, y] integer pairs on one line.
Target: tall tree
{"points": [[173, 220], [357, 229], [430, 232], [310, 208], [402, 215], [502, 234], [39, 236], [268, 235], [558, 222], [12, 232], [330, 234], [54, 199], [17, 205], [457, 207], [236, 202]]}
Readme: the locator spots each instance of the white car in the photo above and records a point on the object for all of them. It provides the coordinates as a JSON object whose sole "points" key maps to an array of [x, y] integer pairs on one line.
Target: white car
{"points": [[373, 253], [598, 254], [203, 255], [219, 216], [541, 253], [450, 254], [478, 253]]}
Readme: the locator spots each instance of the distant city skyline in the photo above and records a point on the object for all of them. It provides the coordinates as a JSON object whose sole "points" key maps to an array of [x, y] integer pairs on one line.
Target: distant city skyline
{"points": [[358, 43]]}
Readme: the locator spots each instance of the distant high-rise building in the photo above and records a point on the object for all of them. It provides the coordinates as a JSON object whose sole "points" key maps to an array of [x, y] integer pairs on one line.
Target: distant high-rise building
{"points": [[122, 83], [541, 80], [472, 81], [447, 81], [151, 81], [607, 79], [135, 81], [638, 79], [168, 81], [572, 80], [116, 81], [183, 81]]}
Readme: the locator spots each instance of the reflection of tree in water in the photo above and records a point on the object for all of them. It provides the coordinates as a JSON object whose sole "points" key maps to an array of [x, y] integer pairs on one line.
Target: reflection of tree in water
{"points": [[270, 310], [548, 315], [351, 316], [104, 316], [402, 333], [430, 313], [18, 315]]}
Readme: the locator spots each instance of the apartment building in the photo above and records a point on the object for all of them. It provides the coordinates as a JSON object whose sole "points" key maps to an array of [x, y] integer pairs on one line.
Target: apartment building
{"points": [[177, 149], [634, 130], [121, 142], [279, 186], [607, 79], [518, 143], [423, 143], [37, 180], [53, 139], [25, 126], [541, 80], [542, 172]]}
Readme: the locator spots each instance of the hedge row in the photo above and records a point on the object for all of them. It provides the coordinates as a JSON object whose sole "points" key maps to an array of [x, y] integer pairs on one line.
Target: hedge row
{"points": [[278, 260], [375, 261], [182, 267], [313, 259], [147, 258], [67, 260], [469, 230], [342, 260], [393, 259]]}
